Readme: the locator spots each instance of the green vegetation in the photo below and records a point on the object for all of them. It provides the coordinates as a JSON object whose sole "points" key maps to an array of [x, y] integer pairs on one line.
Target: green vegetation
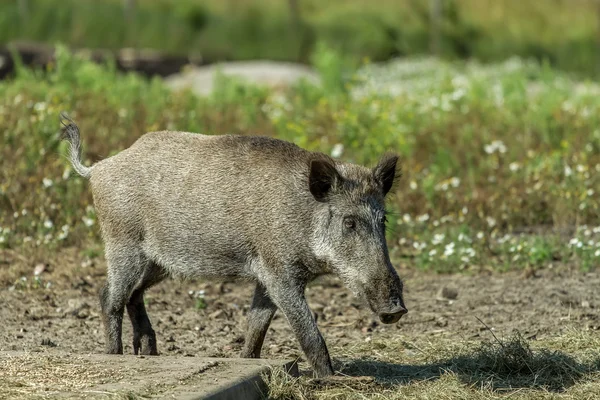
{"points": [[500, 162], [445, 369], [564, 32]]}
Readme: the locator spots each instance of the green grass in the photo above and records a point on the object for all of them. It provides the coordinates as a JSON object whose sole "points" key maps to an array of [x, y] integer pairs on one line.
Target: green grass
{"points": [[566, 367], [563, 32], [500, 162]]}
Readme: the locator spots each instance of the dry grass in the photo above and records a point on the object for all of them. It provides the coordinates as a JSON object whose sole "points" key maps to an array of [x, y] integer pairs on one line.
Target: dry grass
{"points": [[46, 375], [458, 370]]}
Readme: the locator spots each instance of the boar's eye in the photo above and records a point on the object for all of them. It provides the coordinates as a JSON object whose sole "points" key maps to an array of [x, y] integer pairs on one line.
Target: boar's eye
{"points": [[349, 223]]}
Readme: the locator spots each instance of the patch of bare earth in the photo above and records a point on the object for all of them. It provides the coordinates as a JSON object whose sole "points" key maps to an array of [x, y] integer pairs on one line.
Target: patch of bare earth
{"points": [[61, 312]]}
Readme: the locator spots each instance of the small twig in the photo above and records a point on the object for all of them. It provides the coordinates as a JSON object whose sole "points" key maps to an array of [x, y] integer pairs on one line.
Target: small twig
{"points": [[491, 331], [101, 392], [414, 346]]}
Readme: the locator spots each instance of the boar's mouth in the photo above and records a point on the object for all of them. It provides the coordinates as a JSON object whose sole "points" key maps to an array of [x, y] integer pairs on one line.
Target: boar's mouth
{"points": [[393, 316]]}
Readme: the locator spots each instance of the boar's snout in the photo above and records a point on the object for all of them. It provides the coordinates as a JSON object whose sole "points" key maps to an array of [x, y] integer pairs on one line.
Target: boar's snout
{"points": [[393, 315], [384, 295]]}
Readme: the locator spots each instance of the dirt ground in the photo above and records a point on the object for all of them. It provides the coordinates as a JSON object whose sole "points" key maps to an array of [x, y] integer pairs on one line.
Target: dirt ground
{"points": [[66, 314]]}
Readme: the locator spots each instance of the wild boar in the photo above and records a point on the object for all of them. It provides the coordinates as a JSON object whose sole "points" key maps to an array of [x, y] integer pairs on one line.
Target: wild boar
{"points": [[186, 205]]}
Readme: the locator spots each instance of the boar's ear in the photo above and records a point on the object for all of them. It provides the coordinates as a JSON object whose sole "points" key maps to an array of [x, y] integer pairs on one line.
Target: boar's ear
{"points": [[386, 172], [322, 178]]}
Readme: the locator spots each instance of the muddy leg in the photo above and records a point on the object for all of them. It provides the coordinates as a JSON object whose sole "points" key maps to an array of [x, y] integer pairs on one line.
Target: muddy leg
{"points": [[259, 318], [144, 338]]}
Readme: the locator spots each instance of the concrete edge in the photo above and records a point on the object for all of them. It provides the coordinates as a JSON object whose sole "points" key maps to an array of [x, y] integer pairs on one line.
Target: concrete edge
{"points": [[252, 387]]}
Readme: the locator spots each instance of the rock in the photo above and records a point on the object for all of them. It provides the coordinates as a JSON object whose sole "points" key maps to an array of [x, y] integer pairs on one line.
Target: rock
{"points": [[77, 308], [39, 268], [448, 293], [274, 74], [36, 313]]}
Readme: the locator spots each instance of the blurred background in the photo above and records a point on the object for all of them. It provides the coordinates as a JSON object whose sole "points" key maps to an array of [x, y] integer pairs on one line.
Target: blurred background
{"points": [[564, 33]]}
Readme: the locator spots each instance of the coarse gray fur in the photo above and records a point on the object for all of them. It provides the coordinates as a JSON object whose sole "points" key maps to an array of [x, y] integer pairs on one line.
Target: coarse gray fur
{"points": [[187, 205]]}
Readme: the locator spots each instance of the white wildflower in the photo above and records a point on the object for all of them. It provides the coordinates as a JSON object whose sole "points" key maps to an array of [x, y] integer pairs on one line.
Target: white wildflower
{"points": [[463, 238], [41, 106], [419, 245], [87, 221], [438, 238], [568, 171], [495, 146], [449, 249], [337, 150], [423, 218], [470, 252]]}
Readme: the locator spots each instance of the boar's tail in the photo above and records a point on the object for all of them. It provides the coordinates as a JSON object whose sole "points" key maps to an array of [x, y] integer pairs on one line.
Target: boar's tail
{"points": [[70, 133]]}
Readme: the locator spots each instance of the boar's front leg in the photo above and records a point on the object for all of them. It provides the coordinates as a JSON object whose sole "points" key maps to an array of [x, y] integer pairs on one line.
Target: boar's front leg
{"points": [[288, 295], [259, 317]]}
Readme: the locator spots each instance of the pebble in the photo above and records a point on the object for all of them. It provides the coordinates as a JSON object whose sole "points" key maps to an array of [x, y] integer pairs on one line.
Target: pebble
{"points": [[448, 293]]}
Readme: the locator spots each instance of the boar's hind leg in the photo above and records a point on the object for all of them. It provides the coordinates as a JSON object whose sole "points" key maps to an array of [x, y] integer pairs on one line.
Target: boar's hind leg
{"points": [[144, 338], [259, 317], [289, 297], [125, 267]]}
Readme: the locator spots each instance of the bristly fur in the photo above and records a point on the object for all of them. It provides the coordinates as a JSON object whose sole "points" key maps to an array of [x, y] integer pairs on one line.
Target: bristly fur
{"points": [[70, 133]]}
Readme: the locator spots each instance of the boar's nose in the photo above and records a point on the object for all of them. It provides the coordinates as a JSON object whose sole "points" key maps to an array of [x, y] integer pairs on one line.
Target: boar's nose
{"points": [[393, 315]]}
